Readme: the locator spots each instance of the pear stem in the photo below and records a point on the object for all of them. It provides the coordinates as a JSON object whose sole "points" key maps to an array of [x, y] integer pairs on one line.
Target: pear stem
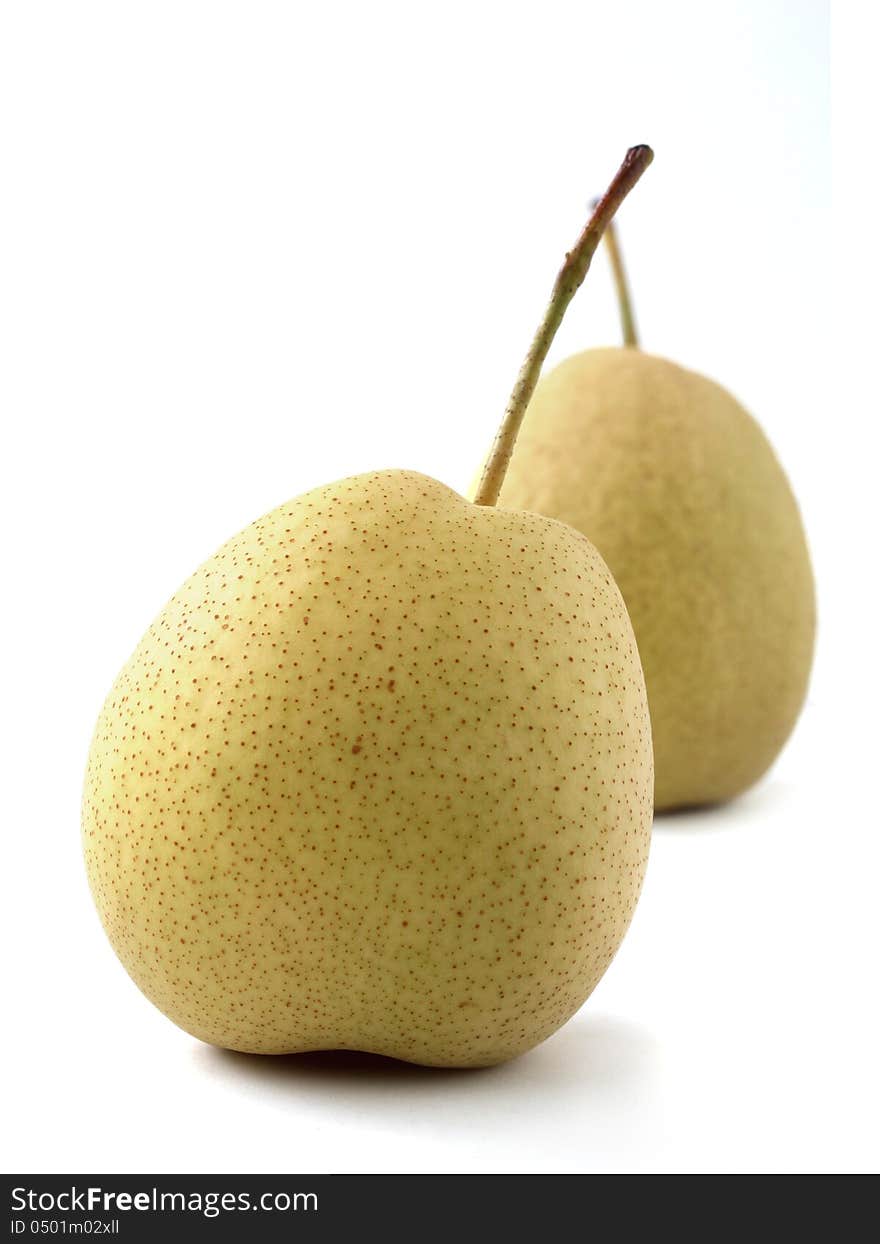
{"points": [[621, 285], [571, 275]]}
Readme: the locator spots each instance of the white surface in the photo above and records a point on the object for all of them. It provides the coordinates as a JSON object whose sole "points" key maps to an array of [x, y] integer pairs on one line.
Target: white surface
{"points": [[247, 248]]}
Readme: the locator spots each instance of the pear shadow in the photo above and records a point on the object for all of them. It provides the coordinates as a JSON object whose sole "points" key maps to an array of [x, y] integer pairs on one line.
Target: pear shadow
{"points": [[598, 1078], [339, 1066], [751, 807]]}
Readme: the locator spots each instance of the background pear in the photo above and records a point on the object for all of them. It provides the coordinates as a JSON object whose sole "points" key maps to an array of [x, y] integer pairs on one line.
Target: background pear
{"points": [[682, 494], [379, 776]]}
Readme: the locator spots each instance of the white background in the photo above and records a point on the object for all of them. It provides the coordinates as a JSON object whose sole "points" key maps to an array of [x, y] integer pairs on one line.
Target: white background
{"points": [[249, 248]]}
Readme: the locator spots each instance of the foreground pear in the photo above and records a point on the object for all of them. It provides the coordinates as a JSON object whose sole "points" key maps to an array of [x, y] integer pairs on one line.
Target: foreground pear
{"points": [[679, 489], [379, 776]]}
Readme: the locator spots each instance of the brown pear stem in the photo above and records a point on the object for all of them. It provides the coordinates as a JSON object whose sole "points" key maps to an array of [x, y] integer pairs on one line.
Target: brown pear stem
{"points": [[571, 275], [624, 301]]}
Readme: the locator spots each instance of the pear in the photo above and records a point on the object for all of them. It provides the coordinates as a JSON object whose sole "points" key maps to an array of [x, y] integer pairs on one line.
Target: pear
{"points": [[679, 489], [379, 776]]}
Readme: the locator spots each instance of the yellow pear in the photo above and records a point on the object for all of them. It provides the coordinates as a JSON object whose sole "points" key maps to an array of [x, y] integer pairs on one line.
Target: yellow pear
{"points": [[379, 776], [679, 489]]}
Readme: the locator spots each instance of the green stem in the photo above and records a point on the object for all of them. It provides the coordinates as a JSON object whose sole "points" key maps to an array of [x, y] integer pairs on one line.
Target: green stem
{"points": [[571, 275], [624, 301]]}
